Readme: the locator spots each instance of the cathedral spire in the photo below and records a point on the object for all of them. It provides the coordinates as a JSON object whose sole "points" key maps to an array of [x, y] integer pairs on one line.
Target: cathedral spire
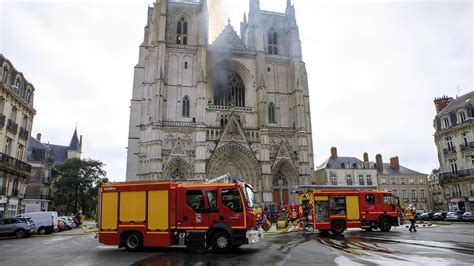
{"points": [[245, 18], [254, 4]]}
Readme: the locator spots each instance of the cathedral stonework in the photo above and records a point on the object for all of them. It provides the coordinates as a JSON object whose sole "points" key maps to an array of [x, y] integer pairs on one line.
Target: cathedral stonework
{"points": [[239, 105]]}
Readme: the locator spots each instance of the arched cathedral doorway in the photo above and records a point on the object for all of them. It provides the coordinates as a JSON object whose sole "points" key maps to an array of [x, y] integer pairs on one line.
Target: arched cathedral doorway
{"points": [[177, 168], [284, 176], [236, 160]]}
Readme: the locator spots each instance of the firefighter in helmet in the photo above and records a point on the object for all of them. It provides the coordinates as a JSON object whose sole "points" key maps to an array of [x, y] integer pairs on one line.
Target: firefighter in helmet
{"points": [[411, 213]]}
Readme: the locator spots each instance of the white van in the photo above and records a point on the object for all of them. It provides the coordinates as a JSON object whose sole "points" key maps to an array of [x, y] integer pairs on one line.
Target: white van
{"points": [[45, 222]]}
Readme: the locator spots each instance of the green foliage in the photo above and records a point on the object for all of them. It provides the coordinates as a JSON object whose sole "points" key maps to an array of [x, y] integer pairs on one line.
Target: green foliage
{"points": [[77, 185]]}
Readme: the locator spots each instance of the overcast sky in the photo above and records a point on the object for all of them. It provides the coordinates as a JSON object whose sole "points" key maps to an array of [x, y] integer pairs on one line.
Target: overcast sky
{"points": [[374, 68]]}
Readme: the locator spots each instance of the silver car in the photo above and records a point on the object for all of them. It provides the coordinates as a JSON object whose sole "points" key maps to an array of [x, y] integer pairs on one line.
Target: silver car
{"points": [[17, 227]]}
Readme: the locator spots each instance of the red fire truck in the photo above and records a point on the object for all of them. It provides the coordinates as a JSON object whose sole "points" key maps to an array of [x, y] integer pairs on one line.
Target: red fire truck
{"points": [[164, 214], [337, 210]]}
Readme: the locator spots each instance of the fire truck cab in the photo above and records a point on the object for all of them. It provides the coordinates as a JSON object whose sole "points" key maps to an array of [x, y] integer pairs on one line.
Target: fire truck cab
{"points": [[164, 214], [337, 210]]}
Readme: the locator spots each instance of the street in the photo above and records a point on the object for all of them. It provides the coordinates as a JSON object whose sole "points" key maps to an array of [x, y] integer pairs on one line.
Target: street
{"points": [[438, 245]]}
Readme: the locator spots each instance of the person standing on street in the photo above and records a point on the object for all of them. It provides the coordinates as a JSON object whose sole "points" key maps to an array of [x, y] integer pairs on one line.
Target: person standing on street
{"points": [[411, 212]]}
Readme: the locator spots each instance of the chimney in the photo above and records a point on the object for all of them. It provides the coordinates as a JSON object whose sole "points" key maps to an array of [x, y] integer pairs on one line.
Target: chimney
{"points": [[441, 103], [366, 157], [333, 152], [394, 163], [38, 137], [379, 163]]}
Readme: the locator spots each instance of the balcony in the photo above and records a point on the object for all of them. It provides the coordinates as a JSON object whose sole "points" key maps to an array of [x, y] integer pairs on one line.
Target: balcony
{"points": [[414, 200], [24, 134], [2, 121], [443, 177], [9, 163], [12, 127], [469, 146], [406, 199], [424, 199], [449, 151]]}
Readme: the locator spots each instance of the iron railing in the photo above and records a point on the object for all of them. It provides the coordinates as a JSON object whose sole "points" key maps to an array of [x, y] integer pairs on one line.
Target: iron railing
{"points": [[9, 163], [470, 145], [449, 151], [24, 134], [2, 120], [12, 127], [443, 177]]}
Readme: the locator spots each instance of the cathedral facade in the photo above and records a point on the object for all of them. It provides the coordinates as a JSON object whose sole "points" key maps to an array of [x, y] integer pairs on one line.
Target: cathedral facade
{"points": [[238, 105]]}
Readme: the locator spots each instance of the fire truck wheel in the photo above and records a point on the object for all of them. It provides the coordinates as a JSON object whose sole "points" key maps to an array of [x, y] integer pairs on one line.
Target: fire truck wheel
{"points": [[221, 242], [385, 225], [337, 227], [132, 241]]}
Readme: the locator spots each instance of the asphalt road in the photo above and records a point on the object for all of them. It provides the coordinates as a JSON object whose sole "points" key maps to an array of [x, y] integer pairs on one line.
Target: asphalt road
{"points": [[439, 245]]}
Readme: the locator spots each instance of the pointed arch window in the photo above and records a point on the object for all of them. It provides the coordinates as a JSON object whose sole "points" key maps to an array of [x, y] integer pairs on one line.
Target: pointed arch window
{"points": [[182, 31], [271, 113], [272, 41], [177, 174], [185, 108], [229, 88], [280, 180]]}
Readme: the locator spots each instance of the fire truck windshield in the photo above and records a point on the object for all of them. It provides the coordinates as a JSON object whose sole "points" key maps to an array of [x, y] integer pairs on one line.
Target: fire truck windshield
{"points": [[250, 197]]}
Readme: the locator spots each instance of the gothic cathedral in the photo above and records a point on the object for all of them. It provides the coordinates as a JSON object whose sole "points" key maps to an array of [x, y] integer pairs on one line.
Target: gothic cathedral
{"points": [[238, 105]]}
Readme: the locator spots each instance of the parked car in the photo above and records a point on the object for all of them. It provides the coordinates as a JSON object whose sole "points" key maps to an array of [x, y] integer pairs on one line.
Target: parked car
{"points": [[61, 225], [424, 217], [453, 216], [46, 222], [468, 217], [16, 227], [69, 221], [419, 212], [438, 216]]}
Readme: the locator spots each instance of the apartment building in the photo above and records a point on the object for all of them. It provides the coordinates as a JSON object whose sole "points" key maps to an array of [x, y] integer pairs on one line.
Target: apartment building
{"points": [[346, 172], [16, 120], [454, 139], [409, 185]]}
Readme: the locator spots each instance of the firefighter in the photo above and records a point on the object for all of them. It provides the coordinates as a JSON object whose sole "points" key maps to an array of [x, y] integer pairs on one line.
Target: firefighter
{"points": [[294, 215], [283, 215], [411, 212]]}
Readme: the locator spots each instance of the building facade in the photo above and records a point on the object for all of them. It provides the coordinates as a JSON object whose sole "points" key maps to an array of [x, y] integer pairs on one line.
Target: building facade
{"points": [[454, 139], [347, 172], [437, 197], [410, 186], [239, 105], [16, 120], [42, 157]]}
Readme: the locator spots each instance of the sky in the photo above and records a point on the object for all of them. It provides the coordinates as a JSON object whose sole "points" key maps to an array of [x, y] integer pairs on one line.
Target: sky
{"points": [[374, 68]]}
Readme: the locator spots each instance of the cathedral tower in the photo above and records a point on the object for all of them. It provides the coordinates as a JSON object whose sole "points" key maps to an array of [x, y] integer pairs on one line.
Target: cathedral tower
{"points": [[239, 105]]}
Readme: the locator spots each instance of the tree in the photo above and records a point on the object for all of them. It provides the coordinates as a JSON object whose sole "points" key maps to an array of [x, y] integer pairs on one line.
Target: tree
{"points": [[77, 185]]}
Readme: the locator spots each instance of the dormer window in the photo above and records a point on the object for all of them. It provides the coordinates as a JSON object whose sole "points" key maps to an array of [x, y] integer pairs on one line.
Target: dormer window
{"points": [[272, 41], [446, 122], [462, 116], [5, 73], [182, 31]]}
